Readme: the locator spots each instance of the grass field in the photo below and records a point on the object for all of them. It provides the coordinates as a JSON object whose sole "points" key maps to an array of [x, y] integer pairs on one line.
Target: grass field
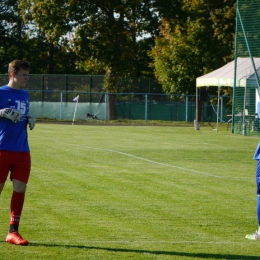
{"points": [[136, 192]]}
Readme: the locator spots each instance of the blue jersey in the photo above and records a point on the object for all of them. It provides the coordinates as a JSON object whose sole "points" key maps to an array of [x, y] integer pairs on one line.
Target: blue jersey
{"points": [[14, 136]]}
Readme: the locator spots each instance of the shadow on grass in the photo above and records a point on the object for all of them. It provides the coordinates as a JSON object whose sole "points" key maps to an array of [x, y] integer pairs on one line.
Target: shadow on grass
{"points": [[155, 252]]}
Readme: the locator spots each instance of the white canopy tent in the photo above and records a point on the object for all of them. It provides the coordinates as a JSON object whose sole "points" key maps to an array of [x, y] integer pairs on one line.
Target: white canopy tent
{"points": [[224, 77]]}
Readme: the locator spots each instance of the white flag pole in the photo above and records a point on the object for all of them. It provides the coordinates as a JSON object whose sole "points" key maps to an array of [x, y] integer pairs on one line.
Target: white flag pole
{"points": [[75, 99]]}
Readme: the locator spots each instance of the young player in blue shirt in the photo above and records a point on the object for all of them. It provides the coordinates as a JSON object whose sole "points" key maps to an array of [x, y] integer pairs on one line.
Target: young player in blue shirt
{"points": [[14, 148], [256, 235]]}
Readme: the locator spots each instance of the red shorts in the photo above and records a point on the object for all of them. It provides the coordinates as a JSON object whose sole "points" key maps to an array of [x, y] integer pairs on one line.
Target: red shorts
{"points": [[17, 163]]}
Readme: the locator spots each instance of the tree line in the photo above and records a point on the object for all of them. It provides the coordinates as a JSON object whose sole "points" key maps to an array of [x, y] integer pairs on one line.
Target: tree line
{"points": [[172, 40]]}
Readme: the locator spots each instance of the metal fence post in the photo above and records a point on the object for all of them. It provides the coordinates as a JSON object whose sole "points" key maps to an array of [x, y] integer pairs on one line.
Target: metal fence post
{"points": [[42, 94], [66, 88], [90, 89], [187, 107], [145, 115], [106, 107], [221, 109], [61, 105]]}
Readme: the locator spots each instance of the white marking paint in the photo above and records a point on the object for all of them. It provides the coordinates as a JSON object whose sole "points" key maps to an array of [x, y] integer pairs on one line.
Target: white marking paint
{"points": [[155, 162]]}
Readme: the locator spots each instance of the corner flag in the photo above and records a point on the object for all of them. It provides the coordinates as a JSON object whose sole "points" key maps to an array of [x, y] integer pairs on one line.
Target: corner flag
{"points": [[76, 98]]}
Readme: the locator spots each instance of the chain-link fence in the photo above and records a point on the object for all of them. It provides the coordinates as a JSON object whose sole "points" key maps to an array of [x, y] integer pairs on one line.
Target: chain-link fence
{"points": [[87, 83], [135, 106], [51, 97]]}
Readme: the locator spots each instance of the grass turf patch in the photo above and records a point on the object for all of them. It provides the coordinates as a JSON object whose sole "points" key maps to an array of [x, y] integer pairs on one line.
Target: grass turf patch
{"points": [[136, 192]]}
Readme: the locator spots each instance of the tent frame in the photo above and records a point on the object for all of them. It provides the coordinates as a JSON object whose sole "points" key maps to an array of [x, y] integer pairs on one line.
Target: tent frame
{"points": [[196, 121], [234, 74]]}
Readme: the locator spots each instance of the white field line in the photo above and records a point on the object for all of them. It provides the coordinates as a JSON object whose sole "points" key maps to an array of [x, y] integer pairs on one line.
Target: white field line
{"points": [[154, 162]]}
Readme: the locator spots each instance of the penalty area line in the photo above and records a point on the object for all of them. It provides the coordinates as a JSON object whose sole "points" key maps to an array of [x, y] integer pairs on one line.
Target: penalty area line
{"points": [[162, 164], [151, 161]]}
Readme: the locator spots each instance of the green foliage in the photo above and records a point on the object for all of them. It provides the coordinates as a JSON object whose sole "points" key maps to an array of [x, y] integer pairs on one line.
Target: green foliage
{"points": [[201, 41], [12, 33], [97, 37], [104, 34], [92, 66], [21, 39]]}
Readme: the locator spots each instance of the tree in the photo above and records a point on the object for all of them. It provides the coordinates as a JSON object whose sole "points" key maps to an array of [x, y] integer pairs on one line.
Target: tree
{"points": [[12, 33], [201, 41], [20, 40], [102, 31]]}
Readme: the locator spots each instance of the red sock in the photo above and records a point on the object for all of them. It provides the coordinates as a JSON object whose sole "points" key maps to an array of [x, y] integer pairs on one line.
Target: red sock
{"points": [[16, 207]]}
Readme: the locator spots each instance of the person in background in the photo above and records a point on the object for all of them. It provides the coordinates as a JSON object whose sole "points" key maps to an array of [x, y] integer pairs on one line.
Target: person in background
{"points": [[256, 235], [258, 109], [14, 148], [257, 118]]}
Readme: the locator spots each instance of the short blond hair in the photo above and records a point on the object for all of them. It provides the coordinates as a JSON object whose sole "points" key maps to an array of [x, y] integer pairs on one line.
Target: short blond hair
{"points": [[17, 65]]}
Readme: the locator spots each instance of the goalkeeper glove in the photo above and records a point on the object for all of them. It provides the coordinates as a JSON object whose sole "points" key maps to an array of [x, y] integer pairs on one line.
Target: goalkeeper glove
{"points": [[12, 114], [31, 121]]}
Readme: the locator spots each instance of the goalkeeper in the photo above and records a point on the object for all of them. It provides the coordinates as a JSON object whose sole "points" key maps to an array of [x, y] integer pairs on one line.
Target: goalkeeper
{"points": [[14, 149]]}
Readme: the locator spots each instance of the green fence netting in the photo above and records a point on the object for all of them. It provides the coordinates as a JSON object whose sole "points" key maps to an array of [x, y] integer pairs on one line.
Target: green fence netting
{"points": [[135, 106], [246, 78]]}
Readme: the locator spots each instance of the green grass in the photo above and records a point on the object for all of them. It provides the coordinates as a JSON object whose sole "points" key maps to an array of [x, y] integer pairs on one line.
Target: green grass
{"points": [[136, 192]]}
